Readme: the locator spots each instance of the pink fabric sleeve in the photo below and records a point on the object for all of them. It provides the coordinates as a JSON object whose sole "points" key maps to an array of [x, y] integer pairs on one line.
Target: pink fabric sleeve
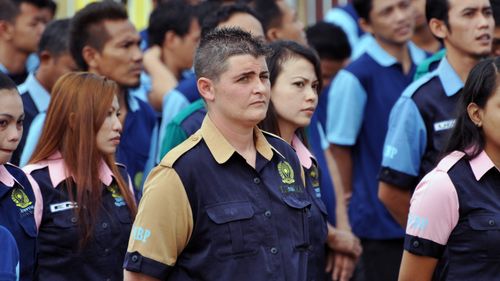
{"points": [[434, 208], [38, 202]]}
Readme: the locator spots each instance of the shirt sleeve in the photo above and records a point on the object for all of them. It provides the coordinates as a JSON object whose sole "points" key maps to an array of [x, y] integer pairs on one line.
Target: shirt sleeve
{"points": [[346, 104], [9, 259], [434, 213], [162, 227], [404, 145]]}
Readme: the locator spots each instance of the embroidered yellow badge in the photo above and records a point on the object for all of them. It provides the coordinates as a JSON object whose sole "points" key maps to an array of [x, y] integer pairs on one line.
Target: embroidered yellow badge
{"points": [[286, 172], [20, 198]]}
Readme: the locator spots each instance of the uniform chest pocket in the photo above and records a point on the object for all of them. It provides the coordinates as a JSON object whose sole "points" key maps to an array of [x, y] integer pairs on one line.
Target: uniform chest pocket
{"points": [[299, 220], [486, 229], [29, 226], [232, 229]]}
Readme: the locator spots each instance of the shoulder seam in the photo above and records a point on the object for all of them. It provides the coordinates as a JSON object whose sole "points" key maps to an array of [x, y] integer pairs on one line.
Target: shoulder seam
{"points": [[175, 153]]}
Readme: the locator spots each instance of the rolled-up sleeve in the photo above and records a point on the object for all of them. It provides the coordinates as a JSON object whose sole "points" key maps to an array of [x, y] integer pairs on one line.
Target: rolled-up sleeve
{"points": [[162, 227], [404, 145], [434, 213]]}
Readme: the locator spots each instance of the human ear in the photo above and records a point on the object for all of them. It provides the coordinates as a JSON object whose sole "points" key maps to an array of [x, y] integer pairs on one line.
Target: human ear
{"points": [[206, 88], [438, 28], [475, 114], [91, 57]]}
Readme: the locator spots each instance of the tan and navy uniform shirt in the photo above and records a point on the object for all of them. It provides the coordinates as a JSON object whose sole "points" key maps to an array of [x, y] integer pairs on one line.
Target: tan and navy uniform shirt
{"points": [[208, 215]]}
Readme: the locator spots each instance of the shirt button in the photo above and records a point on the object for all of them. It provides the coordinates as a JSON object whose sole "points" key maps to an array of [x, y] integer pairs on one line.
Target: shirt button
{"points": [[256, 180], [104, 225], [491, 222], [106, 251], [108, 279], [274, 250], [416, 244], [267, 214], [194, 138], [74, 219], [135, 258]]}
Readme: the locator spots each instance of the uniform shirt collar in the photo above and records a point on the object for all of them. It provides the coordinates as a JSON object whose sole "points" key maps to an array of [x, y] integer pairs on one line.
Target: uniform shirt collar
{"points": [[133, 103], [222, 150], [38, 93], [58, 172], [305, 156], [5, 177], [481, 164], [450, 80], [382, 57], [3, 69]]}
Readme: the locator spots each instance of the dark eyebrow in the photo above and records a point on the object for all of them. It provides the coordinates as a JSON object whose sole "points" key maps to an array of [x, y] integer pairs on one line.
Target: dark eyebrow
{"points": [[10, 116]]}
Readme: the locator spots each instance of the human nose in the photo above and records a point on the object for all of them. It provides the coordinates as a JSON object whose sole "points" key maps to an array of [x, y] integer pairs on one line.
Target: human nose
{"points": [[312, 96], [14, 133], [117, 124], [262, 86]]}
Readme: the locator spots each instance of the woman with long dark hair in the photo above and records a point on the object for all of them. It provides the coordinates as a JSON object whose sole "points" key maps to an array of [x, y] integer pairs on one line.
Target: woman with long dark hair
{"points": [[87, 198], [455, 209], [295, 76]]}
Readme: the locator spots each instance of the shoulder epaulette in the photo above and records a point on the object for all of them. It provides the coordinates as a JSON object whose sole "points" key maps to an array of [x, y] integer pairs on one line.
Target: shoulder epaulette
{"points": [[178, 151]]}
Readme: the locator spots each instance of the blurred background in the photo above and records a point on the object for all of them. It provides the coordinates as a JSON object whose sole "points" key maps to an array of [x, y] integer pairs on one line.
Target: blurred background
{"points": [[309, 11]]}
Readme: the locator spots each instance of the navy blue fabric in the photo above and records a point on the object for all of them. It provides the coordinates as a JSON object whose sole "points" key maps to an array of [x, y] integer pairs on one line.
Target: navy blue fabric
{"points": [[135, 143], [473, 248], [248, 223], [434, 106], [19, 219], [189, 88], [318, 230], [60, 256], [368, 216], [325, 179], [193, 122], [9, 259]]}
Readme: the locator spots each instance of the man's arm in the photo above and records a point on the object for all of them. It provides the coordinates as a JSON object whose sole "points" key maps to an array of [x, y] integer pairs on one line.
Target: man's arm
{"points": [[163, 80], [396, 200], [132, 276], [342, 170]]}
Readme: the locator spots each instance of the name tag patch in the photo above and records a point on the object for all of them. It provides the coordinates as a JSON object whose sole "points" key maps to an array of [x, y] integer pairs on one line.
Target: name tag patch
{"points": [[444, 125], [59, 207]]}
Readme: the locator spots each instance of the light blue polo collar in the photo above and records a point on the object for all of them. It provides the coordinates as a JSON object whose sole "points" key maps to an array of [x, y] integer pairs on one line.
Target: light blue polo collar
{"points": [[133, 103], [37, 92], [450, 80], [3, 69], [383, 58]]}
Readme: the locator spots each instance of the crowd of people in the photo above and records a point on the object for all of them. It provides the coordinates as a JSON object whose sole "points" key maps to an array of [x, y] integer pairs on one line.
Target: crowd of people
{"points": [[227, 141]]}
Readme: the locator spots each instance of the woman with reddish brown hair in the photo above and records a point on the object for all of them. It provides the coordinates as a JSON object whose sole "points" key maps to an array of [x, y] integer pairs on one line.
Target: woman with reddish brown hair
{"points": [[88, 200]]}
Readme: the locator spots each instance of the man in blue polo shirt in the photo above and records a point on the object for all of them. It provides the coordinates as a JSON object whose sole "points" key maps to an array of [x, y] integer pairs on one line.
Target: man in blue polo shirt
{"points": [[360, 99], [55, 61], [228, 203], [423, 117]]}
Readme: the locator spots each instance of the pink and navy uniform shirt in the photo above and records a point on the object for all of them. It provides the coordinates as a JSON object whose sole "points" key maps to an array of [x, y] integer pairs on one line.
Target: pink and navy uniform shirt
{"points": [[60, 255], [318, 214], [20, 213], [455, 210]]}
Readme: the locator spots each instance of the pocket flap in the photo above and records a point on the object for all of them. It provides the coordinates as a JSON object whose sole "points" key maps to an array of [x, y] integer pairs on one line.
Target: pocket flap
{"points": [[231, 211], [296, 203], [485, 221]]}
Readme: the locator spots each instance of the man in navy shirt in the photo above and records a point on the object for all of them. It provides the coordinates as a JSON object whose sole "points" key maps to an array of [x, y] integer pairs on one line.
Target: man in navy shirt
{"points": [[360, 99], [21, 25], [423, 117]]}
